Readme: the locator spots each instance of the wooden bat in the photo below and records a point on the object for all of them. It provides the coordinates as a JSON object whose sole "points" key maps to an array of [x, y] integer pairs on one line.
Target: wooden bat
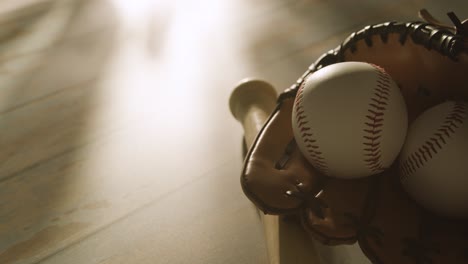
{"points": [[251, 103]]}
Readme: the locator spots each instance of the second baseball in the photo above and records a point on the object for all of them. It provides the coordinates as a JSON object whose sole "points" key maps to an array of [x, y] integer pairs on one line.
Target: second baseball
{"points": [[350, 120], [433, 159]]}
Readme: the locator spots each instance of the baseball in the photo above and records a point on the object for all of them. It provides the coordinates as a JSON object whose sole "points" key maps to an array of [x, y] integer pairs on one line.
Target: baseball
{"points": [[349, 120], [433, 159]]}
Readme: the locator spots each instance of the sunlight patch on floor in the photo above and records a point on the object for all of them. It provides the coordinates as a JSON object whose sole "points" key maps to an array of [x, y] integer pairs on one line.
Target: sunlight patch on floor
{"points": [[164, 98]]}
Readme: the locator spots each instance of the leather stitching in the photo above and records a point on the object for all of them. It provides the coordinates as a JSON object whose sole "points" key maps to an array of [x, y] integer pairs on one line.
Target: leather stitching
{"points": [[429, 36]]}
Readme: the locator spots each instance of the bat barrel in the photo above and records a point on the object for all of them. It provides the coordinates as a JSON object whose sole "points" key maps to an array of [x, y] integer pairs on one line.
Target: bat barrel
{"points": [[251, 103]]}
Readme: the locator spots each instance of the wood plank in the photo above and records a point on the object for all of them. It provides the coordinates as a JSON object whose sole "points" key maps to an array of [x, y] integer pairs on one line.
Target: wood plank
{"points": [[201, 222], [127, 169], [124, 170], [48, 214], [48, 114], [18, 48], [36, 68], [77, 193]]}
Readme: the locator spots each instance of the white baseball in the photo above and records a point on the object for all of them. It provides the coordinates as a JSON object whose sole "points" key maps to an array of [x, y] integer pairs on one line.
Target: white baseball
{"points": [[350, 120], [433, 161]]}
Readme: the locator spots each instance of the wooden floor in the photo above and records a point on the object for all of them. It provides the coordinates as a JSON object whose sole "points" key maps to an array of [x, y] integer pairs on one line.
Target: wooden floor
{"points": [[116, 140]]}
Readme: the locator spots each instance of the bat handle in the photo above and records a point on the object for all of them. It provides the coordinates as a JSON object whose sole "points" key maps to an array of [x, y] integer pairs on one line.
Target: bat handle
{"points": [[251, 103]]}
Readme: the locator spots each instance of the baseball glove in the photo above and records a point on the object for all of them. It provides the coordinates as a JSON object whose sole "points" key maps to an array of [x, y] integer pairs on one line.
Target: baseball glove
{"points": [[429, 62]]}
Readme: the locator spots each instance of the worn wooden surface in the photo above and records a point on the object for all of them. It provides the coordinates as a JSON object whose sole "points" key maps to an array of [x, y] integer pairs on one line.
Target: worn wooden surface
{"points": [[116, 142]]}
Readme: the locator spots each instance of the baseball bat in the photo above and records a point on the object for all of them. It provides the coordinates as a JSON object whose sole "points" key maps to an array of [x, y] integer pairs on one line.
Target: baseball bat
{"points": [[251, 102]]}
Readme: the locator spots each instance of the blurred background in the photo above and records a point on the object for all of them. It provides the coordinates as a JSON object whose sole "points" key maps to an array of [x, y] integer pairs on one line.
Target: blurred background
{"points": [[116, 140]]}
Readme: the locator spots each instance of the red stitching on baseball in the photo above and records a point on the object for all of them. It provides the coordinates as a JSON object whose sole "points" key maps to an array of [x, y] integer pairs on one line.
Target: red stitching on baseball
{"points": [[435, 143], [376, 106], [382, 91], [376, 153], [375, 113], [427, 150], [411, 164], [306, 133], [380, 102], [381, 96], [373, 125], [381, 84], [373, 128], [418, 159], [441, 137], [423, 154]]}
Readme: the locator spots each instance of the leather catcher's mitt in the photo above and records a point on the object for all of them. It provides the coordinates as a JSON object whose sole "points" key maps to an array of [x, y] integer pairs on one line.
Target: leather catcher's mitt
{"points": [[429, 62]]}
